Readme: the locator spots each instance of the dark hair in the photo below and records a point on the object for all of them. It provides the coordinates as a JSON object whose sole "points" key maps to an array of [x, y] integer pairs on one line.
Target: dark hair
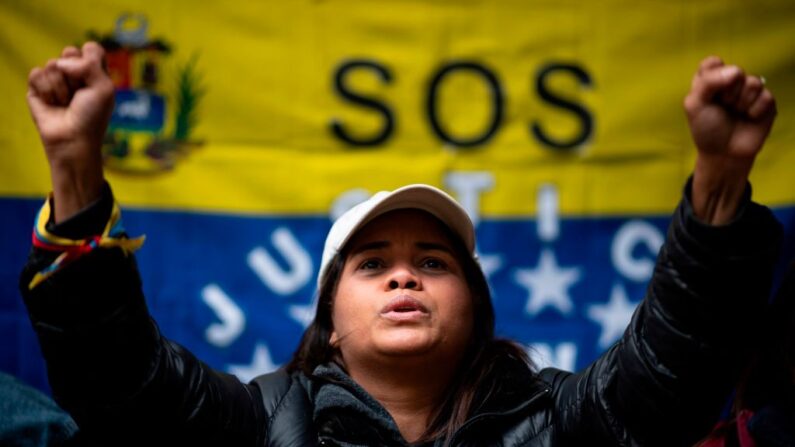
{"points": [[476, 378]]}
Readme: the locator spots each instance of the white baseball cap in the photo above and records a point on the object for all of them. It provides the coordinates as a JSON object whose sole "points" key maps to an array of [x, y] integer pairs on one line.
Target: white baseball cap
{"points": [[423, 197]]}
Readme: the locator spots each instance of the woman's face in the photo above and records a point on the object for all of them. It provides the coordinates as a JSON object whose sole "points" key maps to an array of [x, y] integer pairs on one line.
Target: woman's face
{"points": [[402, 292]]}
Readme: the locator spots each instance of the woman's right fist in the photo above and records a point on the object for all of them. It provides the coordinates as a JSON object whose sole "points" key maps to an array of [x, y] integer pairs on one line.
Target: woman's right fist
{"points": [[71, 100]]}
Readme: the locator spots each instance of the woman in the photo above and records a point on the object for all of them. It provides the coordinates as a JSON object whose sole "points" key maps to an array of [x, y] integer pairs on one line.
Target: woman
{"points": [[402, 349]]}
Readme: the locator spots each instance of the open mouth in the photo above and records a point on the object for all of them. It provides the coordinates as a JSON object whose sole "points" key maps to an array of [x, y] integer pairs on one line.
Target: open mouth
{"points": [[404, 304], [406, 309]]}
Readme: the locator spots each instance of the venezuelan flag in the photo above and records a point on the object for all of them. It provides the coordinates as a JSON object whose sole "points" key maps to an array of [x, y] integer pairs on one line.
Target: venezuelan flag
{"points": [[242, 129]]}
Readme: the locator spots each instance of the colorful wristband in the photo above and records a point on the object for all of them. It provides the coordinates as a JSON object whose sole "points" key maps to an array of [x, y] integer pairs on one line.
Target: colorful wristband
{"points": [[72, 249]]}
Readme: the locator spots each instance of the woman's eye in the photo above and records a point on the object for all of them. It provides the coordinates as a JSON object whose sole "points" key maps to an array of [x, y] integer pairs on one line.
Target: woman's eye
{"points": [[433, 263], [370, 264]]}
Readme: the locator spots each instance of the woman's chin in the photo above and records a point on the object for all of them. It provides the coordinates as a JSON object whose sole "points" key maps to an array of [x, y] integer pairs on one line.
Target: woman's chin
{"points": [[406, 341]]}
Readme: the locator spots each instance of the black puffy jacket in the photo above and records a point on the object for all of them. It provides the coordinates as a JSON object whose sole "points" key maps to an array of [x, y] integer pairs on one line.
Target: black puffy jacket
{"points": [[663, 383]]}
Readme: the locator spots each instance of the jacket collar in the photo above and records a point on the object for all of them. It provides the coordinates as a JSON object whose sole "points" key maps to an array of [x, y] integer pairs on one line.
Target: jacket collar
{"points": [[514, 385], [341, 405], [517, 390]]}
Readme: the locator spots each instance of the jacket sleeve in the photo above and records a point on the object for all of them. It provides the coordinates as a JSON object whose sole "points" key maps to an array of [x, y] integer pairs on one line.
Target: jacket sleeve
{"points": [[110, 367], [667, 379]]}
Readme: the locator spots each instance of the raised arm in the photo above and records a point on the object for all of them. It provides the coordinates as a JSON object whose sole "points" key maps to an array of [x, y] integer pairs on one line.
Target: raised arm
{"points": [[730, 115], [666, 380], [71, 100], [108, 365]]}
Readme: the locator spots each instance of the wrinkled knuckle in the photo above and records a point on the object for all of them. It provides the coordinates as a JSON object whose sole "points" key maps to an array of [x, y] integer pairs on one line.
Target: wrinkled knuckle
{"points": [[765, 104], [709, 62], [95, 49], [706, 61], [95, 63], [766, 97], [709, 80], [768, 94], [106, 87], [689, 103], [751, 86]]}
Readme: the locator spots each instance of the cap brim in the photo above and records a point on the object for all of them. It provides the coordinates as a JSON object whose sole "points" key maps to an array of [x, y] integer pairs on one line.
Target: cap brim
{"points": [[423, 197], [431, 200]]}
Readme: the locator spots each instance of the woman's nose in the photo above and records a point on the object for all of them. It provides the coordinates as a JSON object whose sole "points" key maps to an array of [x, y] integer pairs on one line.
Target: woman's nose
{"points": [[403, 278]]}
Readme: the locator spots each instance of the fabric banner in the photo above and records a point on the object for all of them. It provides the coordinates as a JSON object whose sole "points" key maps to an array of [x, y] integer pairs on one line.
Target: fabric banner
{"points": [[241, 129]]}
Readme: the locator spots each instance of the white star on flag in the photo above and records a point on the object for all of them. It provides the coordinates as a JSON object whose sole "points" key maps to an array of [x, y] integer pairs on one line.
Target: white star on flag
{"points": [[548, 284], [489, 264], [261, 363], [303, 313], [613, 316]]}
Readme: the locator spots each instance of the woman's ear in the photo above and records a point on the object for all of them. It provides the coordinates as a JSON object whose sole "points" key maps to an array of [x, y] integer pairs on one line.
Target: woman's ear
{"points": [[333, 341]]}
